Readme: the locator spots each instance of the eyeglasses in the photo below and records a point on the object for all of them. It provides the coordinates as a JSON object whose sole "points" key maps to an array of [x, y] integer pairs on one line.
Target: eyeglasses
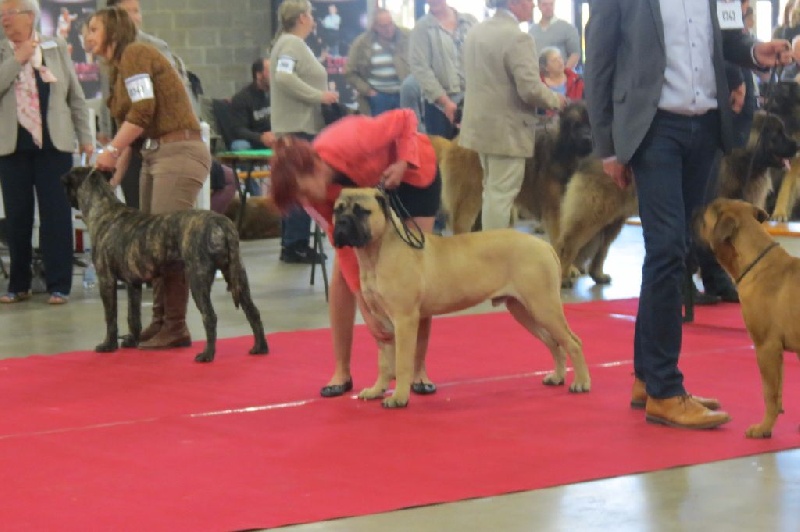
{"points": [[12, 12]]}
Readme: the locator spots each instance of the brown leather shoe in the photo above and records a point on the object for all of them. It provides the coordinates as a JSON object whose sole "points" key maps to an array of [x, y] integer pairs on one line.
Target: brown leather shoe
{"points": [[639, 397], [683, 412]]}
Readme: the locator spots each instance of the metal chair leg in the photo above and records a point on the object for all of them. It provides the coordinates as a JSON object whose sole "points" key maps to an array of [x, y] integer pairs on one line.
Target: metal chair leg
{"points": [[323, 266]]}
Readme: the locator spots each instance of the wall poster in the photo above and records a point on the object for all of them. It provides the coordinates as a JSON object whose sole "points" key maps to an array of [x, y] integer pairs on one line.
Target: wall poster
{"points": [[67, 18]]}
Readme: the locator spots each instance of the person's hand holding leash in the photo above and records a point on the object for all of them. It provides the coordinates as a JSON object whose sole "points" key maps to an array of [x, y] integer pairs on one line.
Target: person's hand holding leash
{"points": [[773, 53], [393, 175], [106, 160]]}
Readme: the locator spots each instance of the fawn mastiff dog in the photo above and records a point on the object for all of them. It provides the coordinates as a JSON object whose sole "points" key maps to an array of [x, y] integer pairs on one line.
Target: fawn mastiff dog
{"points": [[402, 284], [132, 246], [768, 280]]}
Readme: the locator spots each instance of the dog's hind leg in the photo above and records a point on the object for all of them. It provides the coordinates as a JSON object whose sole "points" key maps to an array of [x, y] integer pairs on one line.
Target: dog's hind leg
{"points": [[236, 277], [108, 293], [551, 327], [609, 234], [200, 284], [134, 315], [260, 347]]}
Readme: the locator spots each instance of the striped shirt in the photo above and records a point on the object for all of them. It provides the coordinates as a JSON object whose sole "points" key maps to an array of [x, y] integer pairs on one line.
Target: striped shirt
{"points": [[383, 75]]}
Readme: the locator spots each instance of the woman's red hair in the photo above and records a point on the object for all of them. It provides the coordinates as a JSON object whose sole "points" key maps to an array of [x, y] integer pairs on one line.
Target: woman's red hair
{"points": [[291, 158]]}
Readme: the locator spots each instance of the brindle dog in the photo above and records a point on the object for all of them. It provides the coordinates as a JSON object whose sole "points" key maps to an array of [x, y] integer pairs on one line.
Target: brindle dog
{"points": [[134, 247]]}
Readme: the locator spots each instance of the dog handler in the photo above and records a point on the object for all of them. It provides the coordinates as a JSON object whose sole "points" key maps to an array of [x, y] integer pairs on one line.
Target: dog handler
{"points": [[148, 100], [358, 151]]}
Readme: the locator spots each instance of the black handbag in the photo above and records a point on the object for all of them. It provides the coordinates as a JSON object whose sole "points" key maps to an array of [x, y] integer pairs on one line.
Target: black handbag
{"points": [[331, 112]]}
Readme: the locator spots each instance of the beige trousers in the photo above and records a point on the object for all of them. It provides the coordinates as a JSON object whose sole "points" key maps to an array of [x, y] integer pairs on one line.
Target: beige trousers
{"points": [[172, 176], [502, 180]]}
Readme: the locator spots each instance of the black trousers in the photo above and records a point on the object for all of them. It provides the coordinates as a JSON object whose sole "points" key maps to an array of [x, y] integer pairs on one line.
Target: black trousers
{"points": [[23, 174]]}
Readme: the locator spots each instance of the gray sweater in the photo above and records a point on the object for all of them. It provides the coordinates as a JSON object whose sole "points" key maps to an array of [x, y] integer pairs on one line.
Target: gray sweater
{"points": [[298, 80]]}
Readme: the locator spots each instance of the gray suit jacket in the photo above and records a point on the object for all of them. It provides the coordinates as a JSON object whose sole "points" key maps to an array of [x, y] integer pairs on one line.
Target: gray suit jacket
{"points": [[67, 114], [624, 73], [503, 88]]}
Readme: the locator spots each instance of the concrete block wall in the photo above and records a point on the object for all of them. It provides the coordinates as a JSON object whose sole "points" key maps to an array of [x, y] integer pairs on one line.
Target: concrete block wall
{"points": [[217, 39]]}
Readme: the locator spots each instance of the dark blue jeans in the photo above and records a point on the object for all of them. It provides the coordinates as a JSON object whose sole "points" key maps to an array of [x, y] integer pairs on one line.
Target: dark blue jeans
{"points": [[671, 169], [436, 122], [383, 101], [23, 174]]}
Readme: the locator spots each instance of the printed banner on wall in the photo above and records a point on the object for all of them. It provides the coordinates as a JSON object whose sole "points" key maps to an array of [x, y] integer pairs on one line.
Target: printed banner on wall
{"points": [[338, 23], [67, 19]]}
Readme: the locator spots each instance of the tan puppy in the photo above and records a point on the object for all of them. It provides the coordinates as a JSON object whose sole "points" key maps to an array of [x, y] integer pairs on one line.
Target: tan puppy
{"points": [[402, 284], [768, 280]]}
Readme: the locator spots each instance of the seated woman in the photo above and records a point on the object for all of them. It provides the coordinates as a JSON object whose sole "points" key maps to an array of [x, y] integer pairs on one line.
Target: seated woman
{"points": [[358, 151], [556, 76]]}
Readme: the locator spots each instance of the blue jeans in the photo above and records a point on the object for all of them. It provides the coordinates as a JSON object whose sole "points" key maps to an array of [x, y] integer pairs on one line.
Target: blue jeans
{"points": [[252, 186], [671, 168], [437, 123], [411, 98], [383, 101]]}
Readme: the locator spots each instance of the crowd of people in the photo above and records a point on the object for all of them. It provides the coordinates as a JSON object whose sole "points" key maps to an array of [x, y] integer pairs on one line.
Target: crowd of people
{"points": [[661, 117]]}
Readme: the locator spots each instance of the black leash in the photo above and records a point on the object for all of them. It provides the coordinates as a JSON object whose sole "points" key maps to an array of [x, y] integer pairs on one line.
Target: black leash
{"points": [[411, 235], [756, 261]]}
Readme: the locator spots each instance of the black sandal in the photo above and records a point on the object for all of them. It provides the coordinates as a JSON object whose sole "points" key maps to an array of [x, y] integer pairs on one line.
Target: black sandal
{"points": [[335, 390]]}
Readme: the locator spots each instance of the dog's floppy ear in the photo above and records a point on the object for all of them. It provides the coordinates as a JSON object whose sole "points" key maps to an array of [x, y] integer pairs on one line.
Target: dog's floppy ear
{"points": [[760, 214], [383, 201], [724, 229]]}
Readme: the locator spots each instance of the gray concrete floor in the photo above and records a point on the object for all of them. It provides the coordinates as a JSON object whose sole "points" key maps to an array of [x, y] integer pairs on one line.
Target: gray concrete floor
{"points": [[758, 493]]}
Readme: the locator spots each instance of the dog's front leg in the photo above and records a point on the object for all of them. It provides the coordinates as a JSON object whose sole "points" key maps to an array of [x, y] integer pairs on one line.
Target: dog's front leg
{"points": [[770, 365], [134, 315], [386, 356], [405, 344], [108, 294]]}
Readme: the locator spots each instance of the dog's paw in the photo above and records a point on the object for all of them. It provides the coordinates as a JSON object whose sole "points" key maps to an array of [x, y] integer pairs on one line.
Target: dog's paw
{"points": [[551, 379], [580, 387], [129, 341], [367, 394], [779, 216], [601, 278], [260, 347], [758, 432], [106, 347], [395, 402], [205, 356]]}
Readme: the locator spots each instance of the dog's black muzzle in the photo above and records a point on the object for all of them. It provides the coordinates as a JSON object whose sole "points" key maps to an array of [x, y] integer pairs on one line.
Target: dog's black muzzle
{"points": [[348, 231]]}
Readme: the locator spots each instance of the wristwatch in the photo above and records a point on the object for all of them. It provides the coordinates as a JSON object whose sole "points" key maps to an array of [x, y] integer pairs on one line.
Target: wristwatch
{"points": [[113, 150]]}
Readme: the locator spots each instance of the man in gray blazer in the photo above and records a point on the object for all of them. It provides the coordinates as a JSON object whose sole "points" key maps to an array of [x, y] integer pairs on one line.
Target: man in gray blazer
{"points": [[503, 90], [659, 108]]}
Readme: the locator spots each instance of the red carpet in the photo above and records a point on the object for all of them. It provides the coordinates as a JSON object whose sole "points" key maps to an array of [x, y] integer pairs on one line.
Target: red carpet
{"points": [[146, 441]]}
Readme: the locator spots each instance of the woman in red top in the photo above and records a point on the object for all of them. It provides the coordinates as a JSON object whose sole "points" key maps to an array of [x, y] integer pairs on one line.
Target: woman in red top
{"points": [[556, 76], [359, 151]]}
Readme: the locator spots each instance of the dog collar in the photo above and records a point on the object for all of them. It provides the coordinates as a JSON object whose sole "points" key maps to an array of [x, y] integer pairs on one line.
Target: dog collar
{"points": [[756, 261]]}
